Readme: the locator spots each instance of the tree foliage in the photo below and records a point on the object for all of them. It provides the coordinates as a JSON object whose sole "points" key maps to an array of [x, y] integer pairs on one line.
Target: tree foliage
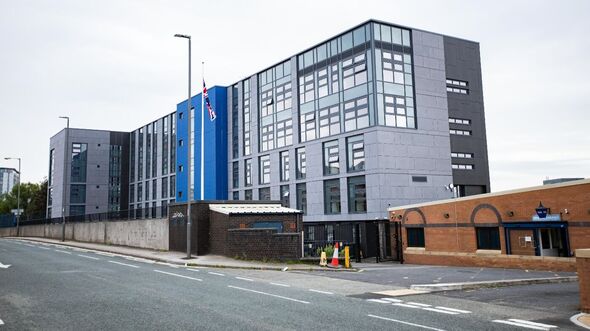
{"points": [[33, 200]]}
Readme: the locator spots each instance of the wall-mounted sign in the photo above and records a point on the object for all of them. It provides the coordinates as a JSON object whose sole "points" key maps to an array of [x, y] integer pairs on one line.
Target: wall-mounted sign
{"points": [[548, 217]]}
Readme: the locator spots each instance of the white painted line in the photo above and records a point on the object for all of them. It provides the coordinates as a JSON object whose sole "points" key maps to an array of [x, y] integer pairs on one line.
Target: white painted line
{"points": [[79, 249], [46, 248], [279, 284], [168, 264], [406, 323], [520, 324], [177, 275], [441, 311], [105, 254], [89, 257], [419, 304], [405, 305], [378, 301], [139, 259], [392, 300], [533, 323], [1, 322], [125, 264], [454, 309], [246, 279], [215, 273], [322, 292], [57, 250], [29, 245], [195, 270], [269, 294]]}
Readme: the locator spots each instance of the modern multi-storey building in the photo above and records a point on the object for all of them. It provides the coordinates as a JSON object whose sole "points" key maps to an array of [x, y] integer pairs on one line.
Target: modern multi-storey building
{"points": [[8, 179], [380, 115]]}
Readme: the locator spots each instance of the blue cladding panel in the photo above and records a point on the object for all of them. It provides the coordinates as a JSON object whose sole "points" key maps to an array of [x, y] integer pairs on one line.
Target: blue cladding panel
{"points": [[215, 147]]}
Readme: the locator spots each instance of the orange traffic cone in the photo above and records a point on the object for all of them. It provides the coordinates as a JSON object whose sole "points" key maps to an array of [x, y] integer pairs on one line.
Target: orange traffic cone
{"points": [[334, 263]]}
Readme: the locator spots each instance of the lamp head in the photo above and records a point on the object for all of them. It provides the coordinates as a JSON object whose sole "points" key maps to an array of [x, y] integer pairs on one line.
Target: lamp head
{"points": [[178, 35]]}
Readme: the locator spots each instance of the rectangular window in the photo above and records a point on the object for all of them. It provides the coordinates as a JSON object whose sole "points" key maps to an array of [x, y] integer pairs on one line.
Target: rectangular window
{"points": [[248, 172], [285, 195], [51, 167], [355, 150], [132, 163], [77, 210], [264, 194], [172, 148], [329, 121], [419, 179], [147, 191], [488, 238], [165, 145], [235, 174], [397, 113], [460, 132], [77, 193], [284, 165], [307, 127], [154, 189], [415, 237], [140, 155], [356, 114], [462, 155], [456, 82], [79, 162], [357, 195], [267, 138], [354, 71], [248, 195], [148, 153], [264, 167], [131, 194], [301, 163], [173, 186], [234, 121], [139, 191], [462, 166], [457, 90], [306, 88], [246, 117], [331, 158], [155, 149], [301, 197], [332, 196], [459, 121], [235, 195], [164, 187]]}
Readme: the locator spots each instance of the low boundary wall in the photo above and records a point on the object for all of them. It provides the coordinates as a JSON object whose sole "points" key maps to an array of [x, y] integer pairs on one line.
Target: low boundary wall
{"points": [[263, 244], [583, 263], [150, 233], [412, 256]]}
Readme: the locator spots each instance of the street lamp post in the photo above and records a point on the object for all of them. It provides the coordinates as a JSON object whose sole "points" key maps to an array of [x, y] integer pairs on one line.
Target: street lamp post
{"points": [[189, 153], [17, 194], [65, 186]]}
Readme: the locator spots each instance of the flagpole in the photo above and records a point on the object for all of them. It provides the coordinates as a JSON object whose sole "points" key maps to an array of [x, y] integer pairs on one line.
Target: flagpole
{"points": [[203, 132]]}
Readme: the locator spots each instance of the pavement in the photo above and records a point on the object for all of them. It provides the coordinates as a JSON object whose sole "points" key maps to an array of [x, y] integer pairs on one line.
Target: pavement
{"points": [[49, 286]]}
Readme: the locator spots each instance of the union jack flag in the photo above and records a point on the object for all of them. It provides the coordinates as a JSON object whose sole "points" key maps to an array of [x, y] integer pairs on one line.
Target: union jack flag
{"points": [[212, 115]]}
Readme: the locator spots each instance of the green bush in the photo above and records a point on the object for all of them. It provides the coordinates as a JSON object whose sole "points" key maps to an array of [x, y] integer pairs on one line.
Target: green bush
{"points": [[329, 249]]}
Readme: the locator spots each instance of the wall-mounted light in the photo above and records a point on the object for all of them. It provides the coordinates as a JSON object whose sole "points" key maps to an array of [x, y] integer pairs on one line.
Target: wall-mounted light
{"points": [[400, 216], [446, 215], [541, 210], [510, 213]]}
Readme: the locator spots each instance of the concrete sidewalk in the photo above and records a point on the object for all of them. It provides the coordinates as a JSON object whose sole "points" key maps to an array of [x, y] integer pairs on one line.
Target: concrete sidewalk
{"points": [[179, 258]]}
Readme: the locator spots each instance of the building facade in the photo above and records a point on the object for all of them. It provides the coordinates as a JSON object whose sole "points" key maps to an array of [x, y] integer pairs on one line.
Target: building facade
{"points": [[9, 177], [88, 172], [377, 116]]}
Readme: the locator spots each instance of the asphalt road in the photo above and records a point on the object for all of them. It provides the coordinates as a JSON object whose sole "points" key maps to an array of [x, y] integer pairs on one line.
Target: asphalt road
{"points": [[49, 287]]}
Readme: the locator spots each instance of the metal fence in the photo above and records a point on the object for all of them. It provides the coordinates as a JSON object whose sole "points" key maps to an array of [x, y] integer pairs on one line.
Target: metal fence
{"points": [[121, 215]]}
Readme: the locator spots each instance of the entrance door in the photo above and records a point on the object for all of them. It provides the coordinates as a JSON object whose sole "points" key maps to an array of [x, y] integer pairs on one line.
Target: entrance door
{"points": [[551, 242]]}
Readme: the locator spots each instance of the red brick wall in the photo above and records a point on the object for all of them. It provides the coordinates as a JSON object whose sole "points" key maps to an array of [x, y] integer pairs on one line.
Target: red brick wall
{"points": [[583, 265], [263, 244]]}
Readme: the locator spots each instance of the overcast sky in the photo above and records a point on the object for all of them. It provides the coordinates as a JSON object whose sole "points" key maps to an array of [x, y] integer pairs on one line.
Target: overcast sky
{"points": [[114, 65]]}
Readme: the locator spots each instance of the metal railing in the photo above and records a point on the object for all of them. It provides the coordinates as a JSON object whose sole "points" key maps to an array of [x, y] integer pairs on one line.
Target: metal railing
{"points": [[111, 216], [314, 248]]}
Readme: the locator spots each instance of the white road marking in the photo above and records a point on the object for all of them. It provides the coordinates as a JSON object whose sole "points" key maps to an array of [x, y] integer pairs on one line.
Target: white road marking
{"points": [[125, 264], [532, 323], [4, 266], [177, 275], [29, 245], [89, 257], [57, 250], [79, 249], [215, 273], [139, 259], [318, 291], [47, 248], [105, 254], [454, 309], [195, 270], [525, 325], [392, 300], [441, 311], [269, 294], [419, 304], [279, 284], [168, 264], [406, 323], [1, 322], [378, 301], [246, 279], [405, 305]]}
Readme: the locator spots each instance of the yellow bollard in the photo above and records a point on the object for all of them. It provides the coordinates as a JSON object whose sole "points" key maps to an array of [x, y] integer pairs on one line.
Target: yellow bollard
{"points": [[323, 260], [346, 257]]}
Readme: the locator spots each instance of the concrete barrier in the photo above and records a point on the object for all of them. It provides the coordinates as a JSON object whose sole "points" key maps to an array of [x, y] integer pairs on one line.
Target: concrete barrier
{"points": [[151, 233]]}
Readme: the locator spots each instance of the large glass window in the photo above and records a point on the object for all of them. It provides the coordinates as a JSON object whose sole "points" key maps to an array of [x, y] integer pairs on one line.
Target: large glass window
{"points": [[51, 167], [140, 155], [332, 196], [235, 174], [488, 238], [329, 121], [284, 166], [301, 192], [248, 172], [354, 71], [301, 163], [307, 126], [285, 133], [148, 152], [77, 210], [173, 148], [415, 237], [275, 95], [357, 195], [264, 194], [248, 195], [77, 193], [165, 144], [264, 166], [246, 117], [356, 114], [331, 158], [173, 186], [285, 195], [164, 187], [355, 150], [234, 121], [132, 164], [79, 162]]}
